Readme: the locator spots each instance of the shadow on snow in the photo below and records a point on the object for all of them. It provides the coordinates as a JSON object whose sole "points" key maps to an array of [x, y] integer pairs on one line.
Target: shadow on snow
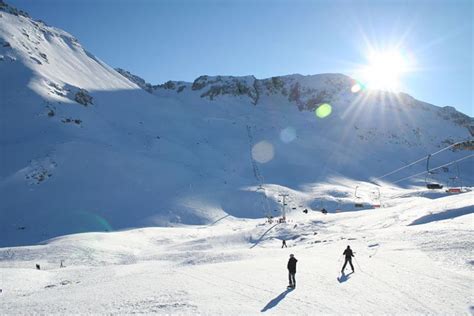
{"points": [[274, 302], [344, 277]]}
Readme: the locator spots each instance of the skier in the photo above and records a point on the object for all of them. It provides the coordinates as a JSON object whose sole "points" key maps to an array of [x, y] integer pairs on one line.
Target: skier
{"points": [[348, 254], [283, 244], [292, 271]]}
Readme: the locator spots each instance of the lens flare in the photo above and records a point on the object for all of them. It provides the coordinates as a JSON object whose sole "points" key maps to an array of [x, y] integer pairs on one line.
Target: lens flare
{"points": [[324, 110], [83, 221], [288, 135], [263, 152], [356, 88]]}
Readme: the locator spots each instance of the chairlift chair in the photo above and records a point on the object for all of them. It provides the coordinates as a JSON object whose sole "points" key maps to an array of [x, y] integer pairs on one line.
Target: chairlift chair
{"points": [[455, 182], [430, 181], [377, 198], [358, 202]]}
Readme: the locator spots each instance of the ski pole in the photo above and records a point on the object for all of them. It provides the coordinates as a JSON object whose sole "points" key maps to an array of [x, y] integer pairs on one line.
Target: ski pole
{"points": [[357, 262]]}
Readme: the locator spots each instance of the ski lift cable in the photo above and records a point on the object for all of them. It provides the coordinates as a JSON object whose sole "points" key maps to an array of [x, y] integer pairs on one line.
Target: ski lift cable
{"points": [[439, 167], [417, 161], [257, 173]]}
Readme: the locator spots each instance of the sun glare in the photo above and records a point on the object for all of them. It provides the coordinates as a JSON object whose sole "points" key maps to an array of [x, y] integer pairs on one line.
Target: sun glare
{"points": [[384, 70]]}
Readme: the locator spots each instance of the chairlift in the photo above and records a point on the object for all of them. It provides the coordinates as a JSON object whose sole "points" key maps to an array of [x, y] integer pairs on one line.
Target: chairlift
{"points": [[455, 182], [465, 145], [355, 192], [358, 203], [377, 198], [454, 190], [434, 186], [430, 179]]}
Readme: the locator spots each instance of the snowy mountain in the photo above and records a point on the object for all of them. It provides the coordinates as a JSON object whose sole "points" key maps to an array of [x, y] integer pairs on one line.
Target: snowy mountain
{"points": [[85, 148]]}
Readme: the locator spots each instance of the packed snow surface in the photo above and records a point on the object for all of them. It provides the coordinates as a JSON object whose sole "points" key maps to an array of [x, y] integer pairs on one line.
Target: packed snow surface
{"points": [[414, 257]]}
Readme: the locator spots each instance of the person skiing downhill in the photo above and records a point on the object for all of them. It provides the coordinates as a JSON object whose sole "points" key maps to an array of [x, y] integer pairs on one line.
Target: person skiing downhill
{"points": [[348, 254], [292, 271], [283, 244]]}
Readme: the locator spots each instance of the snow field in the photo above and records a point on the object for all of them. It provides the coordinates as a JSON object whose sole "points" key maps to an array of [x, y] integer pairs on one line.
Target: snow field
{"points": [[229, 269]]}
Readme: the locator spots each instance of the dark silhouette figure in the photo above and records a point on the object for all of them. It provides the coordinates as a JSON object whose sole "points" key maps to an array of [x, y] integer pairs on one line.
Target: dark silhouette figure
{"points": [[292, 271], [283, 244], [38, 267], [348, 254]]}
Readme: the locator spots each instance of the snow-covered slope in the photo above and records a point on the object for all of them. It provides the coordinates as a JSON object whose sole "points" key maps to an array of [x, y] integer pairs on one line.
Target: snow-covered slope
{"points": [[237, 267], [84, 148]]}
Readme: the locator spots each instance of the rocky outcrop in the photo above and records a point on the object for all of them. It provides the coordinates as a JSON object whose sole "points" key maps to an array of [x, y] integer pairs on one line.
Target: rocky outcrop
{"points": [[136, 79], [82, 97], [307, 92], [233, 86], [451, 114], [12, 10]]}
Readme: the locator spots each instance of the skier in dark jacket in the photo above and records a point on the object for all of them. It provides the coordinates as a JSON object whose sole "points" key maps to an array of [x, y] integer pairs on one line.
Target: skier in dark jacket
{"points": [[348, 254], [292, 271]]}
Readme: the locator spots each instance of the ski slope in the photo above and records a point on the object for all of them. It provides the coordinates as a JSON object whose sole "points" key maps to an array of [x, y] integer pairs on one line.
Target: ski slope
{"points": [[236, 266]]}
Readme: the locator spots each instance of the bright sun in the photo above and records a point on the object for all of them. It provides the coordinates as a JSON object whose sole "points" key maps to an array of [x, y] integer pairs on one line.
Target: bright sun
{"points": [[384, 70]]}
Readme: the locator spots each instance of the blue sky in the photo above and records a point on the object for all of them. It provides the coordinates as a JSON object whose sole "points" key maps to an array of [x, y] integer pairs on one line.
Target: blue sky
{"points": [[183, 39]]}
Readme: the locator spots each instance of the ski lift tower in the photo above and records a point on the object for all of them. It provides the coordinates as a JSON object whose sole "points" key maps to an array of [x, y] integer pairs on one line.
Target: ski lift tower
{"points": [[283, 211]]}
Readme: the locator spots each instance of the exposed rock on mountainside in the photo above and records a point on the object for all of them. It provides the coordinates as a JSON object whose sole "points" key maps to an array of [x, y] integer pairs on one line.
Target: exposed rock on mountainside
{"points": [[136, 79]]}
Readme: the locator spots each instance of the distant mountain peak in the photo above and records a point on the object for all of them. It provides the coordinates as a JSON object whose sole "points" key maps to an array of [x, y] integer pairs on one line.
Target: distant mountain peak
{"points": [[307, 92], [5, 7]]}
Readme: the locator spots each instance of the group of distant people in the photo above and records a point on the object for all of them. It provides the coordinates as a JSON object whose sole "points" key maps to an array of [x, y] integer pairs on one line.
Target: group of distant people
{"points": [[291, 266]]}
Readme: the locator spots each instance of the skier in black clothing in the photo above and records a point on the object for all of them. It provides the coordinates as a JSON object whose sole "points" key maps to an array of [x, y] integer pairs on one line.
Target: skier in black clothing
{"points": [[283, 244], [292, 271], [348, 254]]}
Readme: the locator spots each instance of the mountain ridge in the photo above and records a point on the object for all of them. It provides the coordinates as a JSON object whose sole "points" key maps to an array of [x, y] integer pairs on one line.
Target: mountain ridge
{"points": [[86, 149]]}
